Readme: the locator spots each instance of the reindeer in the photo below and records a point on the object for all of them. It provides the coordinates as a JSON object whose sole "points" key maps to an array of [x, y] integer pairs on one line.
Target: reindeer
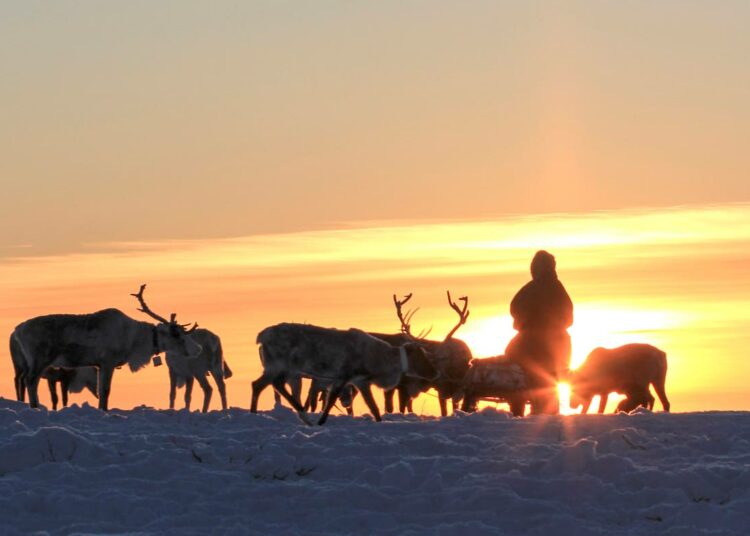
{"points": [[71, 380], [184, 370], [450, 357], [350, 357], [107, 339], [628, 370]]}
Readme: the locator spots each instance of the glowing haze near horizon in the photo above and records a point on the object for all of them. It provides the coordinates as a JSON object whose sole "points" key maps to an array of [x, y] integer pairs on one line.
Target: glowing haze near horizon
{"points": [[356, 149], [676, 278]]}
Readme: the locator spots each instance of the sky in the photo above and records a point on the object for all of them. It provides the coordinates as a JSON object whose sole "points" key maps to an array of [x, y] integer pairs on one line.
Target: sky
{"points": [[268, 161]]}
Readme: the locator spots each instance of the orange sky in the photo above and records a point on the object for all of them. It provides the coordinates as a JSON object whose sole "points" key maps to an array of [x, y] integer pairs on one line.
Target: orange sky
{"points": [[676, 278]]}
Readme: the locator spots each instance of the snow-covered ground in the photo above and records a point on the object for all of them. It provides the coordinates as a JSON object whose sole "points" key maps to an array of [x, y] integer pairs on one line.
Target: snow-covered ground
{"points": [[167, 472]]}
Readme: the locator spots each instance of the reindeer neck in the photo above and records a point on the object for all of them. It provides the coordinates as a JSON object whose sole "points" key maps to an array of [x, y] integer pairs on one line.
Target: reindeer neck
{"points": [[404, 359], [390, 370], [145, 345]]}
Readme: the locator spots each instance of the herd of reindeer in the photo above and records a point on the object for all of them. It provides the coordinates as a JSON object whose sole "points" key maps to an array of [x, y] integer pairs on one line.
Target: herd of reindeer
{"points": [[82, 351]]}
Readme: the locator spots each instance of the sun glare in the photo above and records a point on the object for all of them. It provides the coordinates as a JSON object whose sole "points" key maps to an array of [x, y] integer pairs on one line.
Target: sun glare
{"points": [[488, 337]]}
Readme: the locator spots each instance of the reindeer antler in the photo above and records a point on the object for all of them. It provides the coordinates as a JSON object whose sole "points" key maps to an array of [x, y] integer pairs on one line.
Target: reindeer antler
{"points": [[405, 319], [405, 327], [145, 309], [463, 313]]}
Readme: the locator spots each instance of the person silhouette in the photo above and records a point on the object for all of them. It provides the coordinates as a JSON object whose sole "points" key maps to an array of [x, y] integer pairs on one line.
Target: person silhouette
{"points": [[542, 312]]}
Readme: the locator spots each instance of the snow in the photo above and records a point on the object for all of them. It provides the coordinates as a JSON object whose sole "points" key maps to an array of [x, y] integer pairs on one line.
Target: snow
{"points": [[150, 471]]}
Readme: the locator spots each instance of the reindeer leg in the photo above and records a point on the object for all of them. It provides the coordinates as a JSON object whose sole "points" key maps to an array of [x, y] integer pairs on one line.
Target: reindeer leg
{"points": [[65, 389], [21, 386], [364, 388], [188, 391], [219, 379], [443, 406], [517, 405], [52, 393], [333, 394], [296, 386], [172, 387], [388, 396], [280, 385], [32, 384], [207, 391], [403, 399], [311, 403], [661, 393], [105, 385], [350, 408], [258, 386]]}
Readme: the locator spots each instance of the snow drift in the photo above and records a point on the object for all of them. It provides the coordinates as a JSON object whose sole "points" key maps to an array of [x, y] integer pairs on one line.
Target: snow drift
{"points": [[173, 472]]}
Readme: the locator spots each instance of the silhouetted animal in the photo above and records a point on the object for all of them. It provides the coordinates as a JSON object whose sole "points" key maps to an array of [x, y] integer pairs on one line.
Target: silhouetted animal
{"points": [[450, 357], [337, 356], [183, 370], [106, 339], [628, 370], [71, 380], [542, 312]]}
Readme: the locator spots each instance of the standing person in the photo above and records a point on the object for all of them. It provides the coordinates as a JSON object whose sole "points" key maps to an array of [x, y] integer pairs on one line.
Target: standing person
{"points": [[542, 312]]}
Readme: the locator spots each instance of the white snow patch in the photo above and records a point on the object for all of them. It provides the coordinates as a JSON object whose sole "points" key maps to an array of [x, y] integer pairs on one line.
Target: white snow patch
{"points": [[174, 472]]}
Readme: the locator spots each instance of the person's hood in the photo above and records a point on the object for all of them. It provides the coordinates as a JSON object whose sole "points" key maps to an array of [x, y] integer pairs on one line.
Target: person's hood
{"points": [[543, 266]]}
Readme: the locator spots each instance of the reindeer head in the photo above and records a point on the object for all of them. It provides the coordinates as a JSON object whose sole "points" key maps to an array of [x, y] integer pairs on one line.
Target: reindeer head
{"points": [[450, 357], [168, 334], [582, 389], [582, 381]]}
